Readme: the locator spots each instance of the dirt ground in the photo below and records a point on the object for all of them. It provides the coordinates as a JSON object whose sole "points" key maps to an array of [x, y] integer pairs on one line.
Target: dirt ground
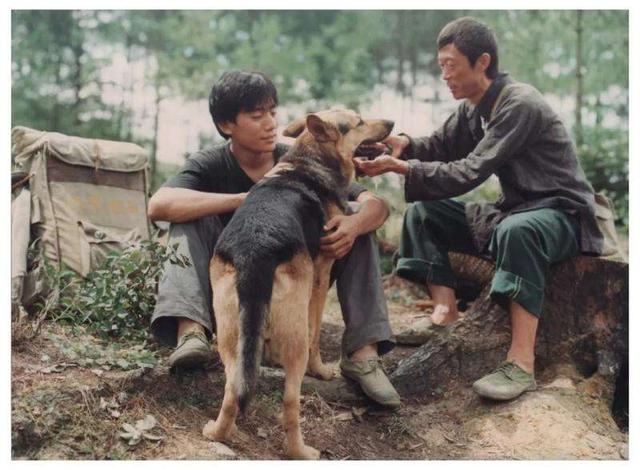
{"points": [[64, 407]]}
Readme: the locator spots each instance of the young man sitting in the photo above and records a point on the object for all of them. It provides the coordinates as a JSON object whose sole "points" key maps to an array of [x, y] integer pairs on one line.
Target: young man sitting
{"points": [[200, 200]]}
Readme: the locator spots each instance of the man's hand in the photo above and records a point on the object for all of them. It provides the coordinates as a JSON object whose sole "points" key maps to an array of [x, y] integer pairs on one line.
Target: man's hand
{"points": [[278, 168], [397, 143], [381, 164], [339, 242]]}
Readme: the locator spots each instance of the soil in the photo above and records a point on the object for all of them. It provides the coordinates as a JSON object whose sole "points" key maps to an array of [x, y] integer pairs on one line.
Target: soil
{"points": [[64, 410]]}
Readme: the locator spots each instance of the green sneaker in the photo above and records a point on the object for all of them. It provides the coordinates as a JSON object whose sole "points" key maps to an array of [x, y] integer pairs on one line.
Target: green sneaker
{"points": [[192, 351], [506, 382], [372, 379]]}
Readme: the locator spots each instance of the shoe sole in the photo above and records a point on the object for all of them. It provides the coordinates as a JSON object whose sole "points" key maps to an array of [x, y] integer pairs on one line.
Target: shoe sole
{"points": [[191, 361]]}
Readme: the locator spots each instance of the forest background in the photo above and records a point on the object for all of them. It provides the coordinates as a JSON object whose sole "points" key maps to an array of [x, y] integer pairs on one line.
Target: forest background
{"points": [[144, 76]]}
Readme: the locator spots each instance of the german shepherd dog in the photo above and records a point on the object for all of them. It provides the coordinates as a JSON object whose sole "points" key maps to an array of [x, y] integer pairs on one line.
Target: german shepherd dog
{"points": [[268, 275]]}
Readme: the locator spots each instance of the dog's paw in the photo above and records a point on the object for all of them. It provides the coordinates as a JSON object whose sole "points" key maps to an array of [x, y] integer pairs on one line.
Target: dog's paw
{"points": [[321, 371], [215, 432], [305, 453]]}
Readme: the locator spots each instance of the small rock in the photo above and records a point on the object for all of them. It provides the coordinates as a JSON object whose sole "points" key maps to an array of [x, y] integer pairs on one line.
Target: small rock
{"points": [[358, 412], [561, 382], [222, 449], [624, 451]]}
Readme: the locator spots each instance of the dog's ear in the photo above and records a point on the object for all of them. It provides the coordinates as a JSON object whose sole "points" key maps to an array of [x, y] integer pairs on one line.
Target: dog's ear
{"points": [[321, 130], [295, 128]]}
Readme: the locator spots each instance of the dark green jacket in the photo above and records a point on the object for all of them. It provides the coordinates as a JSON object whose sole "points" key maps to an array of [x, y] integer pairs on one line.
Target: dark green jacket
{"points": [[514, 134]]}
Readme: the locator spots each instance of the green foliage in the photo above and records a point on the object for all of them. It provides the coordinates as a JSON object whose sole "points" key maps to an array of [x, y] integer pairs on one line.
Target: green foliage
{"points": [[63, 65], [604, 159], [117, 299], [87, 352]]}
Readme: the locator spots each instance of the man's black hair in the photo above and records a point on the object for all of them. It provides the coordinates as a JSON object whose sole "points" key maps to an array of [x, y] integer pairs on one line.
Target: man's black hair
{"points": [[472, 38], [238, 91]]}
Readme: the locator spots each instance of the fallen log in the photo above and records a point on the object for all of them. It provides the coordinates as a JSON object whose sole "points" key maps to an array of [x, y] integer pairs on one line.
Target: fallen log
{"points": [[584, 322]]}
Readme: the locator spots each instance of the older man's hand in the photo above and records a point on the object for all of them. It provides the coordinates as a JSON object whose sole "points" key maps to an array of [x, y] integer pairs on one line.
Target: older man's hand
{"points": [[397, 143], [382, 164]]}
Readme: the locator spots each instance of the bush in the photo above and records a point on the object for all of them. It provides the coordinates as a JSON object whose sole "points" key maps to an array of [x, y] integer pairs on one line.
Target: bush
{"points": [[604, 157], [117, 299]]}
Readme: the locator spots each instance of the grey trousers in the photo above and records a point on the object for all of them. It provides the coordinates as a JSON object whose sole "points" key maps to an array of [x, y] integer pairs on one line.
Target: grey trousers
{"points": [[186, 292]]}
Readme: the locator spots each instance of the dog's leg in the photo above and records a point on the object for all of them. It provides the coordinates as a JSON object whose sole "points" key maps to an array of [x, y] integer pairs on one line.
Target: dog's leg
{"points": [[225, 306], [322, 270], [223, 428], [290, 341], [294, 369]]}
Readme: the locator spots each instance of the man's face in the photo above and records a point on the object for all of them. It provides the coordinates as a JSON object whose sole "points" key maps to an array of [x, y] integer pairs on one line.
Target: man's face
{"points": [[463, 80], [254, 130]]}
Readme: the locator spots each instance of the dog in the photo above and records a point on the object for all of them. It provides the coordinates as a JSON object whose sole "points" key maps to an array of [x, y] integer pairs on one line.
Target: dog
{"points": [[268, 275]]}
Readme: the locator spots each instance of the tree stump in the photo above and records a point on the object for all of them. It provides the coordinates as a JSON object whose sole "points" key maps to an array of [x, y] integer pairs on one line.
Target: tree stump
{"points": [[584, 321]]}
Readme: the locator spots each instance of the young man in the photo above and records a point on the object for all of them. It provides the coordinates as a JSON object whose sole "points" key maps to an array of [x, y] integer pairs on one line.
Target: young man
{"points": [[200, 200], [546, 212]]}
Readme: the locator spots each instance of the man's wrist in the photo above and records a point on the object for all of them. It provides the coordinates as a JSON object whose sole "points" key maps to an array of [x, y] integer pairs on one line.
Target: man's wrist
{"points": [[401, 167], [405, 142], [240, 198]]}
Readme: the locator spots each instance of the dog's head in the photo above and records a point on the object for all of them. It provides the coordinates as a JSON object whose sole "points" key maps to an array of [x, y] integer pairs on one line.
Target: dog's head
{"points": [[337, 133]]}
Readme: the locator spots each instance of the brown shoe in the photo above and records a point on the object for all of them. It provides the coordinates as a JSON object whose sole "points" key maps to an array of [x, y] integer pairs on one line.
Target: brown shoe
{"points": [[372, 379], [192, 351]]}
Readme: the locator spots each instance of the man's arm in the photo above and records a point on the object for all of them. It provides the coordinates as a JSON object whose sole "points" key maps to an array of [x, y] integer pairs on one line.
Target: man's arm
{"points": [[346, 228], [515, 123], [183, 205], [373, 212], [452, 141]]}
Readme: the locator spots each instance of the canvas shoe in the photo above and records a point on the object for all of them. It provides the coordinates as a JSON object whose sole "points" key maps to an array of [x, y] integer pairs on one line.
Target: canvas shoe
{"points": [[191, 352], [372, 379], [508, 381]]}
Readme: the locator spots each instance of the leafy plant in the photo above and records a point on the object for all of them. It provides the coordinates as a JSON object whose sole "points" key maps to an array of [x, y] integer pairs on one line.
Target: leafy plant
{"points": [[604, 157], [85, 351], [134, 434], [117, 299]]}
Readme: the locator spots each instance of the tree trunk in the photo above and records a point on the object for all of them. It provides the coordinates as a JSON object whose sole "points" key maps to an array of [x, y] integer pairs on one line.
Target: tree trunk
{"points": [[154, 144], [78, 51], [585, 322], [579, 80]]}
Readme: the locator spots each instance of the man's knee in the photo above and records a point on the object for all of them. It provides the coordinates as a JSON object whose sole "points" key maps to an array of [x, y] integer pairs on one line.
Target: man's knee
{"points": [[515, 233], [430, 216], [203, 227], [515, 230]]}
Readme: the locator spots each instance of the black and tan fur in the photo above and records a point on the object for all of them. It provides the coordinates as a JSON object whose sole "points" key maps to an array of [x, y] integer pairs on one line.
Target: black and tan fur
{"points": [[269, 277]]}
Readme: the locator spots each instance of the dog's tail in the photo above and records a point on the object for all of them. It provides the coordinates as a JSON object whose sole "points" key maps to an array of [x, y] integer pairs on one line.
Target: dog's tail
{"points": [[254, 284]]}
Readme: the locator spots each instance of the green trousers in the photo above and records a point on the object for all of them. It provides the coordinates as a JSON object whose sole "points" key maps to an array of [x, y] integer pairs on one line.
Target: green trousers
{"points": [[523, 246]]}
